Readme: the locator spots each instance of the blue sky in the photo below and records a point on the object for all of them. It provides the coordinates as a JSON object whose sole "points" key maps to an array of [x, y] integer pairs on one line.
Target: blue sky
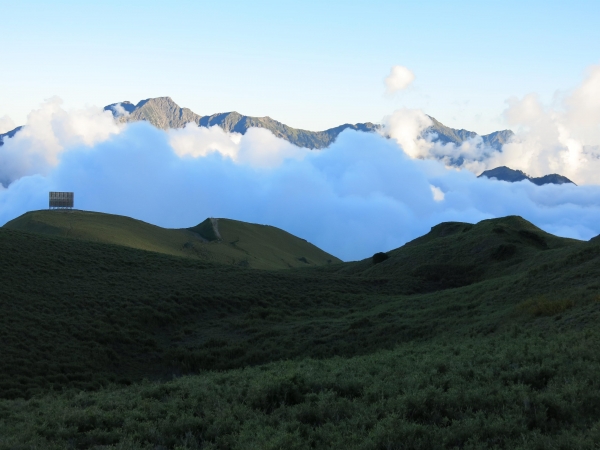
{"points": [[308, 64]]}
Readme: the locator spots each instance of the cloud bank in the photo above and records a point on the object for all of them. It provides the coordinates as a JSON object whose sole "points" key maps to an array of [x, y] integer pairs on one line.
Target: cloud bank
{"points": [[362, 195], [257, 147], [50, 131], [6, 124], [560, 138]]}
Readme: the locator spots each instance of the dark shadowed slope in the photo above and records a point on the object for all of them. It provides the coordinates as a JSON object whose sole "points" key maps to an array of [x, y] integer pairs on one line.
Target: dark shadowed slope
{"points": [[239, 243], [455, 254], [78, 313], [508, 360], [504, 173]]}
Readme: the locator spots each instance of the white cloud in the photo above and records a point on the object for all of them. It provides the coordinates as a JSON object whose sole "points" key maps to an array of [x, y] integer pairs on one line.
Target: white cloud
{"points": [[119, 110], [406, 126], [438, 194], [562, 139], [257, 147], [360, 196], [6, 124], [195, 141], [49, 131], [365, 193], [399, 79]]}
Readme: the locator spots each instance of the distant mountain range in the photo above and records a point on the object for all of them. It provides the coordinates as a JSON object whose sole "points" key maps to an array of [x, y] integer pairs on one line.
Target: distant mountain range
{"points": [[164, 113], [447, 135], [504, 173]]}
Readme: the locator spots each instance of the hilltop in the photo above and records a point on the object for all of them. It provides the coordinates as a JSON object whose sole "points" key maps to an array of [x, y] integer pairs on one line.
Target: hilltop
{"points": [[504, 173], [455, 254], [214, 240]]}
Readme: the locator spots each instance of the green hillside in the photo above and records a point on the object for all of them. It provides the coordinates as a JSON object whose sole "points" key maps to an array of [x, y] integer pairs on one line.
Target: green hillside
{"points": [[239, 243], [472, 336], [454, 254]]}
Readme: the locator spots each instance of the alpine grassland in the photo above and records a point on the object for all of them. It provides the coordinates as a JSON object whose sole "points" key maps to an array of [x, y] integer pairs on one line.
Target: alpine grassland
{"points": [[472, 336], [215, 240]]}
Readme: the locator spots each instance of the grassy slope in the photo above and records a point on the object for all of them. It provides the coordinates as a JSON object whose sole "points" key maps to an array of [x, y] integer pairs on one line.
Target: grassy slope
{"points": [[506, 360], [269, 247], [519, 391], [251, 245], [455, 254]]}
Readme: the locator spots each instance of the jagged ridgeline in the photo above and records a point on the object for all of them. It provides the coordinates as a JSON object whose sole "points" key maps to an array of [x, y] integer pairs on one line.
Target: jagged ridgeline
{"points": [[446, 135], [163, 112], [214, 240]]}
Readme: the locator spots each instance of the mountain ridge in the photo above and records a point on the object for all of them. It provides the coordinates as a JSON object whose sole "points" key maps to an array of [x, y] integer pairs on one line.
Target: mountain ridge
{"points": [[223, 241], [455, 136], [9, 134], [164, 113], [504, 173]]}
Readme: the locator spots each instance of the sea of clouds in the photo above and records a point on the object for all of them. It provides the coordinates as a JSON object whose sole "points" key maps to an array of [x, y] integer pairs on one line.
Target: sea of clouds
{"points": [[563, 137], [366, 193]]}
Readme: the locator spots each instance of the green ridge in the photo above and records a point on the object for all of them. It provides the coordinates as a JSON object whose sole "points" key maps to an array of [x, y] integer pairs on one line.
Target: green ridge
{"points": [[245, 244], [455, 253]]}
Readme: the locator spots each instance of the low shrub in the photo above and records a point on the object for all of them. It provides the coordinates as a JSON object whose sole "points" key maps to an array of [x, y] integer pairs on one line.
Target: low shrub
{"points": [[379, 257], [542, 306]]}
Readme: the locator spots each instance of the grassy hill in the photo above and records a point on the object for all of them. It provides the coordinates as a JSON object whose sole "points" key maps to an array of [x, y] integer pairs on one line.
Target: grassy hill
{"points": [[454, 254], [456, 340], [235, 242]]}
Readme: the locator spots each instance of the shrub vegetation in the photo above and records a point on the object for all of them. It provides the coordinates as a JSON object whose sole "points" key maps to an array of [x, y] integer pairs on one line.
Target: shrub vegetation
{"points": [[445, 345]]}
